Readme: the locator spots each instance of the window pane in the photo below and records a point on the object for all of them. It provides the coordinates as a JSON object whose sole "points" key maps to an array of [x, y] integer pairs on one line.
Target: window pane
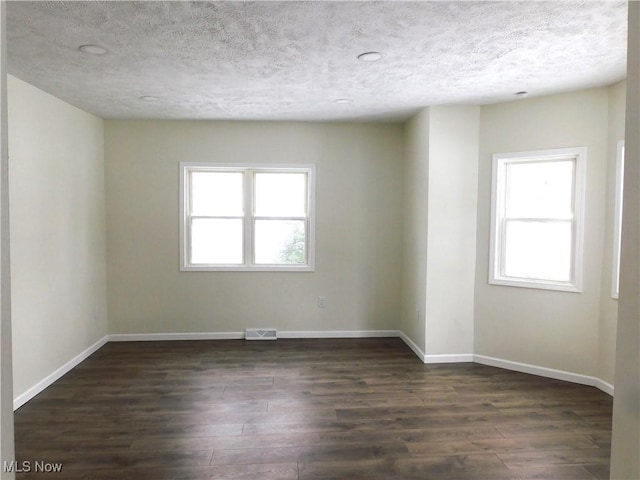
{"points": [[280, 242], [216, 241], [281, 194], [540, 189], [216, 193], [538, 250]]}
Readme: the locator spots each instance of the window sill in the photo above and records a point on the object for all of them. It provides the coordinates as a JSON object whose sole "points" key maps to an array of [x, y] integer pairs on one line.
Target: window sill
{"points": [[253, 268], [536, 284]]}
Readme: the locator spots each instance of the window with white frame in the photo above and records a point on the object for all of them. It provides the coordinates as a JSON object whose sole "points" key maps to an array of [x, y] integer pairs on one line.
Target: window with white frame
{"points": [[617, 232], [247, 217], [537, 219]]}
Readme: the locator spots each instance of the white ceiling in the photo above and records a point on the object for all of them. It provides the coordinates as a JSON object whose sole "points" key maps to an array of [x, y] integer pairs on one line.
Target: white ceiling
{"points": [[293, 60]]}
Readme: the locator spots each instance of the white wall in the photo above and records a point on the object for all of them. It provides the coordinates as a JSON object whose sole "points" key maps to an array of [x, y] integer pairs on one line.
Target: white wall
{"points": [[451, 229], [609, 305], [57, 232], [358, 231], [550, 329], [7, 450], [439, 236], [625, 461]]}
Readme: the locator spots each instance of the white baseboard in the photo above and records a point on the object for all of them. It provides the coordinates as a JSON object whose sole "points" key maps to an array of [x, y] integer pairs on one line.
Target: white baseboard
{"points": [[509, 365], [151, 337], [449, 358], [545, 372], [411, 344], [338, 334], [606, 387], [159, 337], [441, 358], [49, 379], [446, 358]]}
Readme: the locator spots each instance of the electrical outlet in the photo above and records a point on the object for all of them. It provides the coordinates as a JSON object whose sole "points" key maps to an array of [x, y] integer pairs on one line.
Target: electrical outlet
{"points": [[322, 302]]}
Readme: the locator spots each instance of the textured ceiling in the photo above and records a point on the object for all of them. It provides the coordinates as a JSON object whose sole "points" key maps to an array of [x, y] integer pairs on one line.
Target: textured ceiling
{"points": [[293, 60]]}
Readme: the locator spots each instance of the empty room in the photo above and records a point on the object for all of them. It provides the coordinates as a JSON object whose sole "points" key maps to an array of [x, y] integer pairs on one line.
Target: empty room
{"points": [[319, 240]]}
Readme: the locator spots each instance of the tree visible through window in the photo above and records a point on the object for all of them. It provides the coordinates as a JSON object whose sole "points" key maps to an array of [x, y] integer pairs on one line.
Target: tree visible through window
{"points": [[293, 250]]}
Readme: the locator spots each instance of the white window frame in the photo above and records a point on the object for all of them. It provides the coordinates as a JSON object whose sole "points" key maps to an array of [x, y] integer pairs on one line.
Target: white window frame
{"points": [[249, 171], [617, 232], [497, 240]]}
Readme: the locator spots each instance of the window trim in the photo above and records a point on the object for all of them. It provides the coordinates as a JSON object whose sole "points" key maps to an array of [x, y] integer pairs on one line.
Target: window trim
{"points": [[617, 220], [498, 182], [249, 216]]}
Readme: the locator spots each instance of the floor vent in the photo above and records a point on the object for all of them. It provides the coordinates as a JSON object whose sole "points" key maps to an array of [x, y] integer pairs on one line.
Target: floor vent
{"points": [[261, 334]]}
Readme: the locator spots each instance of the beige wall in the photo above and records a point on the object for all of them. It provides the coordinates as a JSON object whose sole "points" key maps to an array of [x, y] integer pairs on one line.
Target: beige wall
{"points": [[395, 204], [625, 461], [550, 329], [57, 232], [358, 231], [451, 229], [416, 204]]}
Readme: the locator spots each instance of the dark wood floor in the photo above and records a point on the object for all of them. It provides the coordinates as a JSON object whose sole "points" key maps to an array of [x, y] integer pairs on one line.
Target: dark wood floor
{"points": [[308, 409]]}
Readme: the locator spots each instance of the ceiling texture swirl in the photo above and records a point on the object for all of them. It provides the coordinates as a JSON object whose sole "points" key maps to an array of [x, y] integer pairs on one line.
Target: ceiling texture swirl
{"points": [[299, 61]]}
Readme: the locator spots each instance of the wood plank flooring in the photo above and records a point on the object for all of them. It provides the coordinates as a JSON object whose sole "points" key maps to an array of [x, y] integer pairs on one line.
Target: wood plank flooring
{"points": [[307, 410]]}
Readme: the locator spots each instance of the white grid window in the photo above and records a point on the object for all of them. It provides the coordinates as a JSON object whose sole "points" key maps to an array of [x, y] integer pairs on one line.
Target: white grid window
{"points": [[247, 217], [537, 205]]}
